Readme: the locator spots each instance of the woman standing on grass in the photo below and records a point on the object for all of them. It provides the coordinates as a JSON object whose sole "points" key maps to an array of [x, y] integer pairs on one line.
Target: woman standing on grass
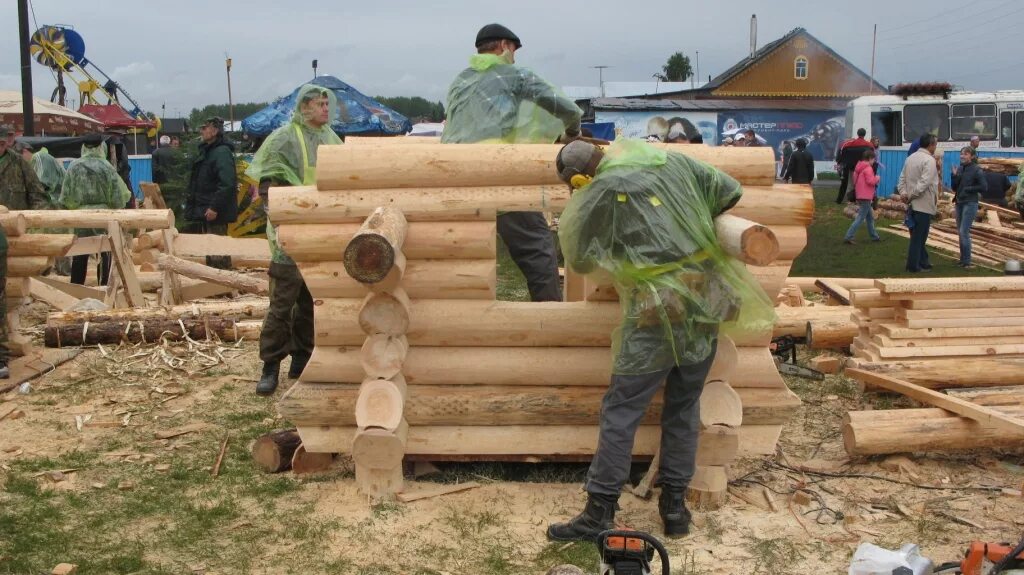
{"points": [[969, 183], [865, 181]]}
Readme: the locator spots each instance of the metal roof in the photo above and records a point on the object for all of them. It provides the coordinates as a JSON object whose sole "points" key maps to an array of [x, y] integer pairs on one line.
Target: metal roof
{"points": [[623, 89], [639, 104]]}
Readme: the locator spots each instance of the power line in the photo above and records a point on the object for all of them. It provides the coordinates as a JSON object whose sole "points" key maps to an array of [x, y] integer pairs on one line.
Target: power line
{"points": [[935, 17], [959, 22], [968, 31]]}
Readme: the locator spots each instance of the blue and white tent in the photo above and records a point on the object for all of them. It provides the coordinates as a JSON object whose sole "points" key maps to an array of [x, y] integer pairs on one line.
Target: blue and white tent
{"points": [[359, 115]]}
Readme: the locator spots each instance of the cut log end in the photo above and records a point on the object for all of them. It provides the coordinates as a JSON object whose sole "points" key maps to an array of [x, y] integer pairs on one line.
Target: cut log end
{"points": [[273, 452], [369, 258], [303, 462]]}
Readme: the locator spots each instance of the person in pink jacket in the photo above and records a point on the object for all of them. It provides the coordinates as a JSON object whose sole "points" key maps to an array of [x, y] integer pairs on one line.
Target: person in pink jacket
{"points": [[865, 181]]}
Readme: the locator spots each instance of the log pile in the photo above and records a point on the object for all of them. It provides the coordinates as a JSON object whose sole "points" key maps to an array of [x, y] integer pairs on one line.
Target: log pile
{"points": [[1005, 166], [425, 364], [994, 239], [890, 209]]}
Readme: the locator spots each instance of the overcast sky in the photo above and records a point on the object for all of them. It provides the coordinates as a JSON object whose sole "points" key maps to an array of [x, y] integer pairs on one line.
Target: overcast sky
{"points": [[172, 51]]}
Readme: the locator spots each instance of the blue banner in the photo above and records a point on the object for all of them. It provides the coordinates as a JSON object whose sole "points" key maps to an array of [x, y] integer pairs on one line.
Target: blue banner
{"points": [[822, 130]]}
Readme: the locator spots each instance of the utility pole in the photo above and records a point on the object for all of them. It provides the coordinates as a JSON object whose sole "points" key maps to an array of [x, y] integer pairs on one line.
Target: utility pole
{"points": [[26, 71], [600, 77], [874, 39], [698, 66], [231, 104], [314, 69]]}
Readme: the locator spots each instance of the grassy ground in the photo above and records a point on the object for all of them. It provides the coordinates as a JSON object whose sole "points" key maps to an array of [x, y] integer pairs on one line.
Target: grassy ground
{"points": [[827, 256]]}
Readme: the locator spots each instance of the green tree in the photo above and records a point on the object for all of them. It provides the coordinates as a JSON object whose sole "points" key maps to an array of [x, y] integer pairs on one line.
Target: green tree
{"points": [[677, 69], [415, 108], [197, 115]]}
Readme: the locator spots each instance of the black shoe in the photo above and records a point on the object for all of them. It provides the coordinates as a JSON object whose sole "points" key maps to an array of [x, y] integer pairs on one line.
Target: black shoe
{"points": [[298, 364], [269, 378], [926, 268], [597, 516], [675, 515]]}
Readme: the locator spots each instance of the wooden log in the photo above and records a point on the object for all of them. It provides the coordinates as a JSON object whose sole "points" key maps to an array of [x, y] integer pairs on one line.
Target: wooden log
{"points": [[385, 313], [720, 405], [17, 287], [273, 452], [986, 349], [879, 432], [748, 241], [26, 266], [793, 320], [987, 285], [870, 297], [242, 309], [376, 448], [421, 279], [726, 358], [808, 283], [772, 278], [966, 303], [982, 414], [48, 294], [424, 240], [826, 364], [202, 245], [50, 245], [778, 205], [718, 445], [241, 282], [381, 403], [381, 357], [831, 333], [309, 404], [708, 488], [304, 462], [129, 219], [370, 254], [835, 292], [967, 322], [480, 165], [149, 240], [13, 223], [149, 331]]}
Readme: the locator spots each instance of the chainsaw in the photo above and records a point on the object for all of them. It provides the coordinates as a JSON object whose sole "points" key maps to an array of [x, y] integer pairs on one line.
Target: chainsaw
{"points": [[783, 349], [988, 559], [629, 553]]}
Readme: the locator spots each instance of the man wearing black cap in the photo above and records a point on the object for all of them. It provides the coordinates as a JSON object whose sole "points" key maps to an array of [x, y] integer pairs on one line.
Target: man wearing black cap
{"points": [[213, 185], [495, 101]]}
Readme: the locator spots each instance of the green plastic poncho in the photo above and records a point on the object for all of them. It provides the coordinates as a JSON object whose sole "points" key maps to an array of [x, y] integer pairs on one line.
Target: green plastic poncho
{"points": [[1018, 195], [494, 101], [288, 155], [91, 182], [51, 174], [646, 220]]}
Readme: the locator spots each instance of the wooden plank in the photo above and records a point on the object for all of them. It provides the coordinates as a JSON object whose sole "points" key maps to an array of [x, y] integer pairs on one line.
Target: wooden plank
{"points": [[947, 351], [73, 290], [886, 341], [203, 290], [202, 245], [965, 303], [965, 322], [834, 291], [979, 413], [51, 295], [170, 294], [123, 264], [40, 361], [989, 285], [88, 246], [435, 491], [903, 332], [153, 198], [959, 313]]}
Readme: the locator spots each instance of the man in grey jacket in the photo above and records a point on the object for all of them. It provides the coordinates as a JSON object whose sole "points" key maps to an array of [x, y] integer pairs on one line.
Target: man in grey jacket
{"points": [[919, 184]]}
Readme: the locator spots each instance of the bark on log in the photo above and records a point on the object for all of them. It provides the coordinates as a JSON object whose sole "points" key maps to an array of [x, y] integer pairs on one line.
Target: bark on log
{"points": [[13, 223], [50, 245], [129, 219], [149, 331], [242, 309], [831, 333], [370, 254], [928, 429], [385, 313], [720, 405], [308, 404], [780, 204], [26, 266], [424, 240], [747, 241], [422, 279], [273, 452], [241, 282], [480, 165]]}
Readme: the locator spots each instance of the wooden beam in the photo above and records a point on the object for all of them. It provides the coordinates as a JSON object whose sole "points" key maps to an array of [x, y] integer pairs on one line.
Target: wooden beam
{"points": [[50, 245], [170, 294], [241, 282], [74, 290], [122, 263], [202, 245], [130, 219], [51, 295], [988, 285], [833, 290], [981, 414], [88, 246], [966, 303]]}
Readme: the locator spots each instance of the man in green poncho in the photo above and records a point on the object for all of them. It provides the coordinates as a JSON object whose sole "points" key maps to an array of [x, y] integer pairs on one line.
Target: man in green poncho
{"points": [[92, 183], [644, 216], [19, 190], [51, 174], [288, 158], [495, 101]]}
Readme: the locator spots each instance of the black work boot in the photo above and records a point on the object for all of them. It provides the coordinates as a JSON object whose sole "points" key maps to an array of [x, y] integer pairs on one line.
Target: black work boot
{"points": [[597, 516], [298, 364], [675, 515], [268, 380]]}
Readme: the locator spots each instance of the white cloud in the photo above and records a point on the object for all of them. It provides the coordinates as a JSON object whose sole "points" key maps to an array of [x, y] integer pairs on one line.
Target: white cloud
{"points": [[122, 73]]}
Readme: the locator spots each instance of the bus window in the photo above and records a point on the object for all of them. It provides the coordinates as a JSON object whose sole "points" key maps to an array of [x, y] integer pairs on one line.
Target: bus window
{"points": [[926, 119], [1019, 139], [1006, 129], [969, 120], [886, 125]]}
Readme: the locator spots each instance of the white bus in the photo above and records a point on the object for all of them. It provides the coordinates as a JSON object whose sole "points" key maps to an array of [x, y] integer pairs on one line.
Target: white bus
{"points": [[997, 118]]}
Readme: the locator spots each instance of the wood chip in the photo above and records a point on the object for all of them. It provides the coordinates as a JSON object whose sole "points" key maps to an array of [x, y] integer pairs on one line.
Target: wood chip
{"points": [[126, 485], [436, 491], [162, 467], [1012, 492], [746, 496], [169, 433], [64, 569], [97, 485]]}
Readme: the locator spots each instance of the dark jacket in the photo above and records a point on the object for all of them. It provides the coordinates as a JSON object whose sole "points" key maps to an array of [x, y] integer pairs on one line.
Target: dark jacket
{"points": [[163, 164], [998, 185], [851, 152], [801, 168], [213, 183], [969, 184]]}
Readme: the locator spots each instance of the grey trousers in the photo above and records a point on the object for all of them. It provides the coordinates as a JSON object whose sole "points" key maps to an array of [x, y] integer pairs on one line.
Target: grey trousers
{"points": [[621, 411], [532, 247]]}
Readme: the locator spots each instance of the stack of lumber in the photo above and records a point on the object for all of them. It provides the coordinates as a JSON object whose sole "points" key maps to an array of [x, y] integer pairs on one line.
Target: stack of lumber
{"points": [[486, 379], [926, 318], [1005, 166]]}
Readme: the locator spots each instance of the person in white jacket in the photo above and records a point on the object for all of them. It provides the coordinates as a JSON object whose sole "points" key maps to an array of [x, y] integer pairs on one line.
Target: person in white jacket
{"points": [[919, 186]]}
